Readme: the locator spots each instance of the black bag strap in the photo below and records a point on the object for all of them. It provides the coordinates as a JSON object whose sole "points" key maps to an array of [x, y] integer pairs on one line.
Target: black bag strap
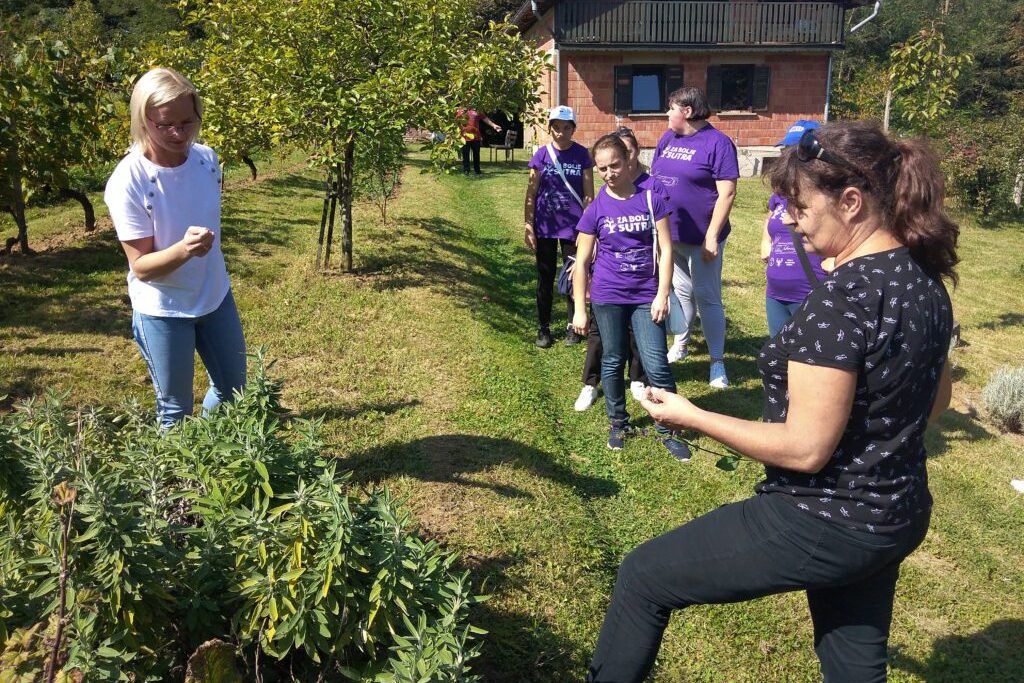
{"points": [[798, 244]]}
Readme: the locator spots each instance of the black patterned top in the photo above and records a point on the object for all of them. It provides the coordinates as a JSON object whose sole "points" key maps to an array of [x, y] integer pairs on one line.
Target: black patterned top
{"points": [[886, 319]]}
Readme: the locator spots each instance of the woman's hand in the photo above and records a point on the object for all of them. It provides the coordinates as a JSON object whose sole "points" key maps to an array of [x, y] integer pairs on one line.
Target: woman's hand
{"points": [[659, 308], [580, 322], [710, 251], [197, 241], [531, 238], [671, 410]]}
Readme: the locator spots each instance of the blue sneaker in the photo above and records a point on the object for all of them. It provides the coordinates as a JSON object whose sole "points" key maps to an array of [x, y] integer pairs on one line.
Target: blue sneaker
{"points": [[679, 450], [616, 437]]}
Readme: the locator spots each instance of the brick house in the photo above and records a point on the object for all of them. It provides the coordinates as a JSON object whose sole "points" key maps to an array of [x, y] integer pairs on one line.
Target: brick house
{"points": [[763, 64]]}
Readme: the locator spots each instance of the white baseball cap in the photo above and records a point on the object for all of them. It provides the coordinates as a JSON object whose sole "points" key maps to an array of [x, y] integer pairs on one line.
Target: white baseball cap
{"points": [[562, 113]]}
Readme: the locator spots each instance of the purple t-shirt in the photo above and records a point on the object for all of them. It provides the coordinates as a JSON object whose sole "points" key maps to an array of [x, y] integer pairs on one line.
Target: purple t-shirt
{"points": [[624, 270], [786, 278], [645, 181], [688, 166], [556, 211]]}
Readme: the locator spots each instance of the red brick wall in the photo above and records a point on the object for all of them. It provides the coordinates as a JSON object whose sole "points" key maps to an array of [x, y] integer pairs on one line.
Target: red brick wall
{"points": [[797, 91]]}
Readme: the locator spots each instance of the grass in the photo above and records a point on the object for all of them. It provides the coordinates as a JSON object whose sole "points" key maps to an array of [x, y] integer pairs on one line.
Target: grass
{"points": [[423, 365]]}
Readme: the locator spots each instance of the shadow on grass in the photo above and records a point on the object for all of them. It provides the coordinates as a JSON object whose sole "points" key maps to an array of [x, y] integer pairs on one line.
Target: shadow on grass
{"points": [[479, 273], [456, 458], [362, 411], [518, 647], [67, 289], [1004, 320], [993, 655], [954, 427]]}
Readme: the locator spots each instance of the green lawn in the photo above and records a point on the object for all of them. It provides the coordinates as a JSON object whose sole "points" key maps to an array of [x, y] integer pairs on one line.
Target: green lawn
{"points": [[423, 364]]}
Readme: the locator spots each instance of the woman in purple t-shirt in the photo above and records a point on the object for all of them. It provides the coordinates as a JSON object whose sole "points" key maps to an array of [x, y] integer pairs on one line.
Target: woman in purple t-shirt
{"points": [[788, 285], [697, 164], [630, 283], [592, 362], [561, 185]]}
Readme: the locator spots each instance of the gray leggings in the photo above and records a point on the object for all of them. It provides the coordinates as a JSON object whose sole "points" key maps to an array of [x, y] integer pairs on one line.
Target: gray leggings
{"points": [[699, 288]]}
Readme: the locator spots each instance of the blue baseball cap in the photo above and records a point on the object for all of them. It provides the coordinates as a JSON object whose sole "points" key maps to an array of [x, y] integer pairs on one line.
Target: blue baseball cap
{"points": [[797, 130]]}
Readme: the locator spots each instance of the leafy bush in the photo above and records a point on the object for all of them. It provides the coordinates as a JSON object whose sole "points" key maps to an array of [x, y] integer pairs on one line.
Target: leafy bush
{"points": [[379, 162], [983, 161], [232, 527], [1003, 398]]}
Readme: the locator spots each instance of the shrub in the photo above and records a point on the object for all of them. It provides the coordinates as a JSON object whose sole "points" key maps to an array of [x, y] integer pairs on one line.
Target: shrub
{"points": [[1003, 398], [983, 162], [232, 528]]}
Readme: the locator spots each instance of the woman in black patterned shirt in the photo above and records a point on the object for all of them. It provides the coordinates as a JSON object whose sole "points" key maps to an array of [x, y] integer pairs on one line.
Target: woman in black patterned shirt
{"points": [[850, 382]]}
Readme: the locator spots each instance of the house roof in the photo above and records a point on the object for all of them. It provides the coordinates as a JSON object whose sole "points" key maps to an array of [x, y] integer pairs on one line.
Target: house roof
{"points": [[525, 17]]}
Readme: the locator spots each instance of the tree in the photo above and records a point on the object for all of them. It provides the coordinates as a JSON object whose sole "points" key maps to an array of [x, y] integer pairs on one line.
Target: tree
{"points": [[923, 76], [346, 71], [56, 105]]}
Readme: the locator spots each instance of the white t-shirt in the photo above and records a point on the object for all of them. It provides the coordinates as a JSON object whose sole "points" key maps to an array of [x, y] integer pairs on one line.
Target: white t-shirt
{"points": [[146, 200]]}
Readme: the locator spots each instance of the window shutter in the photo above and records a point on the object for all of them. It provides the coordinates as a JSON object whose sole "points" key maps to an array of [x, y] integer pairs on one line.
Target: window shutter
{"points": [[762, 80], [673, 81], [623, 89], [714, 88]]}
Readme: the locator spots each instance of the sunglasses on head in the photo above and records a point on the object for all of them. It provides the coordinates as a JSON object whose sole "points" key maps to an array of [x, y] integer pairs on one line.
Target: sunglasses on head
{"points": [[810, 147]]}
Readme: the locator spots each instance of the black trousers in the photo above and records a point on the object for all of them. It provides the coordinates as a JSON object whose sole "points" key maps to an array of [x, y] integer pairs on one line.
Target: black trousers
{"points": [[471, 146], [595, 349], [745, 550], [547, 268]]}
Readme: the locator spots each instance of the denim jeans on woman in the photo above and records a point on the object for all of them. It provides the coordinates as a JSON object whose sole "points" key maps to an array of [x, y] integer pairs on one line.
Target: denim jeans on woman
{"points": [[778, 313], [169, 346], [698, 285], [614, 320], [756, 547]]}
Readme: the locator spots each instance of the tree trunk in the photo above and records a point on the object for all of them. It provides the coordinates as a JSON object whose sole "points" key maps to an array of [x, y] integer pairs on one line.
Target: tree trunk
{"points": [[330, 218], [248, 162], [16, 207], [81, 198], [328, 194], [346, 202], [888, 108]]}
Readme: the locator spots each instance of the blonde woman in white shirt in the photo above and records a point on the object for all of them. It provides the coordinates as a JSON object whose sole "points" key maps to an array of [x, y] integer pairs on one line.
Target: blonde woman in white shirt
{"points": [[164, 200]]}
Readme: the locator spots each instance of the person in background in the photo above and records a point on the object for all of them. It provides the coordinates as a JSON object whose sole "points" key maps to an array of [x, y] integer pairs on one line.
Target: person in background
{"points": [[472, 137], [850, 384], [164, 200], [627, 229], [788, 284], [561, 185], [698, 166], [592, 362]]}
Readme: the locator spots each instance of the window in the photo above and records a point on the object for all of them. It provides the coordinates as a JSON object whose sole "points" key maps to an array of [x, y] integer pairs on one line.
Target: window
{"points": [[644, 89], [738, 87]]}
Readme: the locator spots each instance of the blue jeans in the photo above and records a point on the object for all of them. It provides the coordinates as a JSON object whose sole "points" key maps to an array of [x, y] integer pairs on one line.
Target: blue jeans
{"points": [[613, 321], [779, 312], [168, 346], [699, 288]]}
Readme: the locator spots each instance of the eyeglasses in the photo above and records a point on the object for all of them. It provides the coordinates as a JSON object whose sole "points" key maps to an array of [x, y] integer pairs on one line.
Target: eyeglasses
{"points": [[810, 147], [182, 128]]}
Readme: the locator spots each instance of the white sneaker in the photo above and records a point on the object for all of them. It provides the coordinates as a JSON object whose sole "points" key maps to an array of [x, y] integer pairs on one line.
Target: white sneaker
{"points": [[718, 378], [638, 390], [677, 351], [588, 395]]}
